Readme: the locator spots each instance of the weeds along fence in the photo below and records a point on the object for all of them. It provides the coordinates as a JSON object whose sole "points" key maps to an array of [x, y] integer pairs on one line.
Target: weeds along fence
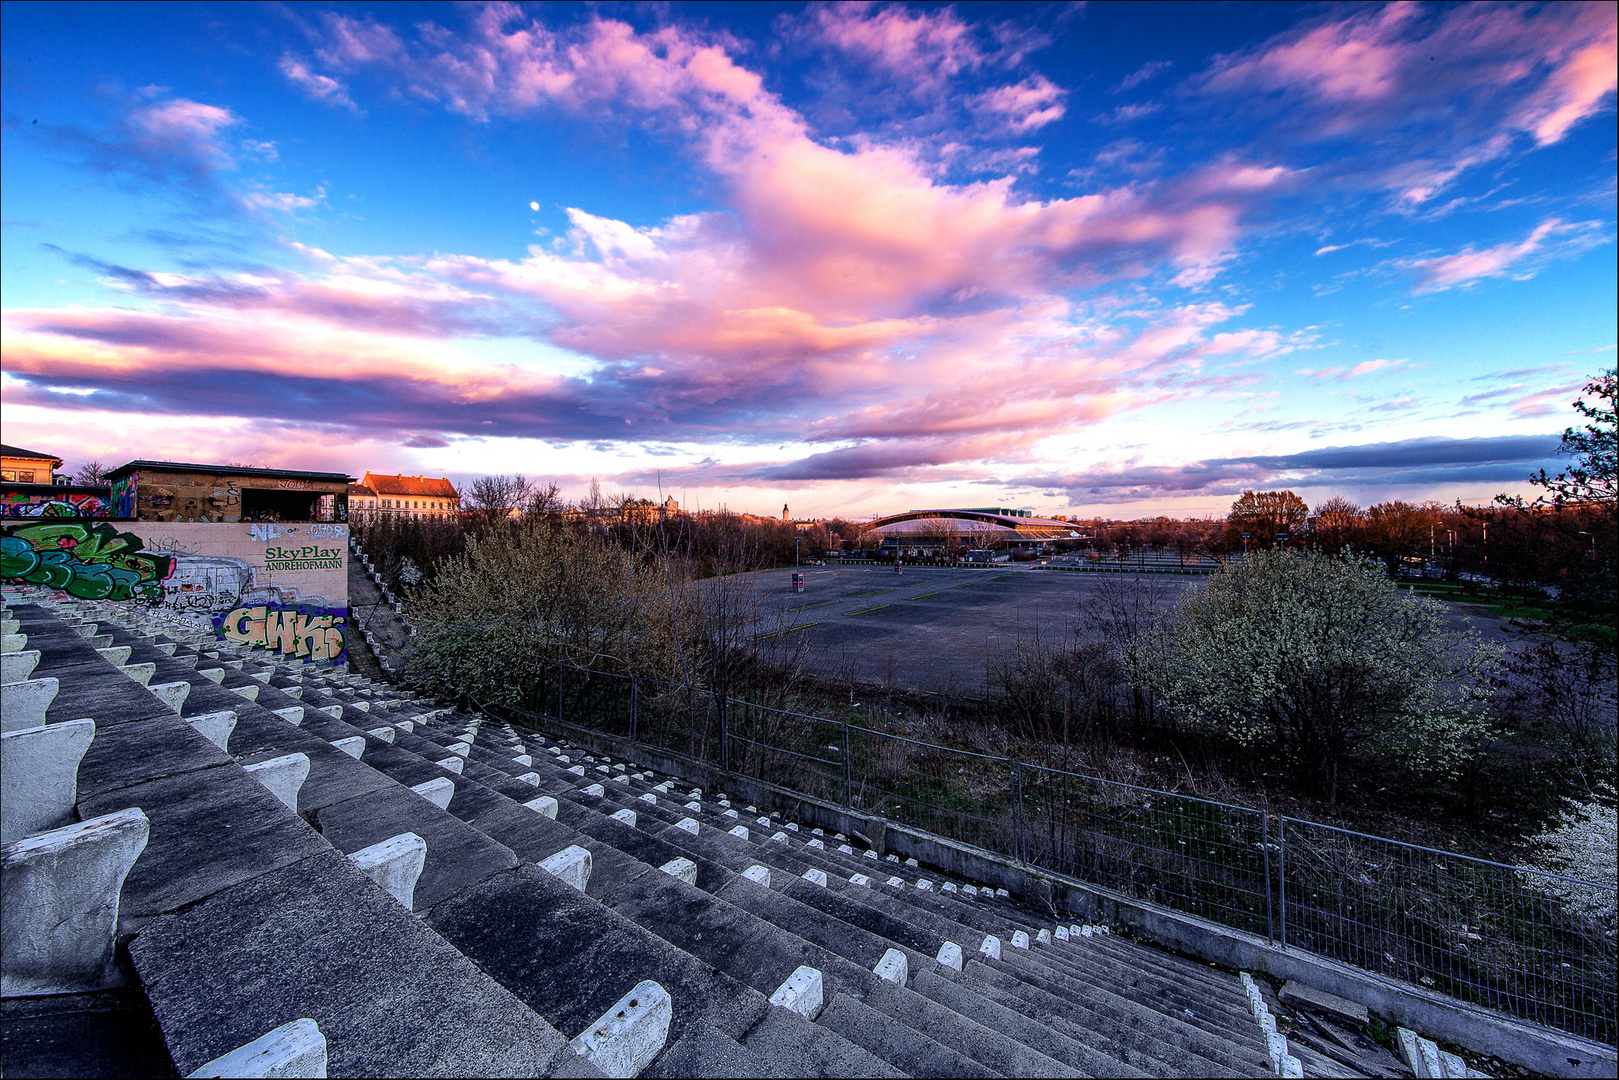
{"points": [[1531, 944]]}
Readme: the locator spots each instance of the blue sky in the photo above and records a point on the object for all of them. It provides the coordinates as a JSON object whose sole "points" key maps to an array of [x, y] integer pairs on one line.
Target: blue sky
{"points": [[1121, 259]]}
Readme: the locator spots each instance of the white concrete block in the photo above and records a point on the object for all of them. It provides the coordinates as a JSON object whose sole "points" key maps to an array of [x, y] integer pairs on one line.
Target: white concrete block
{"points": [[85, 629], [970, 890], [17, 666], [649, 798], [213, 674], [460, 749], [217, 726], [23, 704], [924, 885], [815, 877], [141, 673], [571, 864], [630, 1034], [407, 726], [359, 703], [577, 770], [595, 789], [626, 816], [846, 849], [1061, 933], [892, 967], [618, 778], [740, 832], [524, 760], [293, 714], [893, 858], [334, 711], [1276, 1045], [167, 647], [450, 764], [991, 947], [911, 862], [778, 838], [762, 821], [949, 886], [664, 787], [802, 993], [689, 824], [438, 791], [694, 807], [1451, 1064], [792, 826], [297, 1049], [1002, 893], [1292, 1066], [603, 769], [861, 880], [545, 804], [9, 626], [868, 854], [758, 873], [730, 814], [39, 776], [684, 869], [13, 643], [532, 778], [59, 894], [395, 864], [117, 654], [261, 676], [1043, 937], [284, 776], [817, 843], [386, 734], [895, 883], [250, 692], [354, 746], [950, 956]]}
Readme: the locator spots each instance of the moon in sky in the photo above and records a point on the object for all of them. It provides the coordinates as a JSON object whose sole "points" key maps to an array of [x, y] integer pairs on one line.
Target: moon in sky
{"points": [[533, 206]]}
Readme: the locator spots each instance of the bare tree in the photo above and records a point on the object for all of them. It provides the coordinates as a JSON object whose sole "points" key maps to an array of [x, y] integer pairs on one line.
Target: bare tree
{"points": [[92, 473], [545, 502], [495, 497]]}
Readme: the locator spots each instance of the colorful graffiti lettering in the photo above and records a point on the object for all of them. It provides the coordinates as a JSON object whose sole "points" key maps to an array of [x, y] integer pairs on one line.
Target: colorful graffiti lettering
{"points": [[308, 633], [95, 562], [123, 496], [15, 505]]}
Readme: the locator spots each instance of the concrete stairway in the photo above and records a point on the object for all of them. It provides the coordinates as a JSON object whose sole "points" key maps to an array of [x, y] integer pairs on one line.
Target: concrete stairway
{"points": [[444, 893]]}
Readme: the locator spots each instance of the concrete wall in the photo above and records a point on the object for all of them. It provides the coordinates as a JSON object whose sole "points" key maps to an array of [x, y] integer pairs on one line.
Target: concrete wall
{"points": [[279, 586]]}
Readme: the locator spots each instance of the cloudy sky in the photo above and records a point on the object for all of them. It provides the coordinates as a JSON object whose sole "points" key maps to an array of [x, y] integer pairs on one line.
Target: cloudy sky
{"points": [[1100, 259]]}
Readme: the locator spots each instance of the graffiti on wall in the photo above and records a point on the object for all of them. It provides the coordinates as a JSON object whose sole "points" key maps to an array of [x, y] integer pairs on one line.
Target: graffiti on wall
{"points": [[301, 631], [94, 562], [123, 496], [16, 504]]}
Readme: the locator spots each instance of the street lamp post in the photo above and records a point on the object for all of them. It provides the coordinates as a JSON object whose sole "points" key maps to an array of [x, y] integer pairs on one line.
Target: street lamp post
{"points": [[796, 541]]}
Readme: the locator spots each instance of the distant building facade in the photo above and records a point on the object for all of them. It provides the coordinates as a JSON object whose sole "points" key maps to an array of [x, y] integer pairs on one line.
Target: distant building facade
{"points": [[183, 491], [429, 497], [19, 466]]}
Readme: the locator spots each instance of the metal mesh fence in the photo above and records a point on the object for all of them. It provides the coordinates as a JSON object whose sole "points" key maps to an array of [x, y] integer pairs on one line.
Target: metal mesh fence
{"points": [[1531, 944], [1206, 858], [1519, 940]]}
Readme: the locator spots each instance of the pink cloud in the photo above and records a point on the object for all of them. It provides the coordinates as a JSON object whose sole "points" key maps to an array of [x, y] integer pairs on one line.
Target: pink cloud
{"points": [[1025, 106], [183, 128], [922, 47], [322, 88], [1518, 259], [1451, 87]]}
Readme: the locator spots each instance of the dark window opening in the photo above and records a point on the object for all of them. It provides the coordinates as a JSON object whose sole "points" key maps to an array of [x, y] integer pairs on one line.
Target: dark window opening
{"points": [[259, 504]]}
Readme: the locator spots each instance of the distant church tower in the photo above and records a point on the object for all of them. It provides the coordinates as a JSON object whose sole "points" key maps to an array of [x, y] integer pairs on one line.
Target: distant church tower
{"points": [[784, 512]]}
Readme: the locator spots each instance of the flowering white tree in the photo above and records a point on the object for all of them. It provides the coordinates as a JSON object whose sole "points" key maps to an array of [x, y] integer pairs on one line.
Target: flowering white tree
{"points": [[1322, 657], [1584, 844]]}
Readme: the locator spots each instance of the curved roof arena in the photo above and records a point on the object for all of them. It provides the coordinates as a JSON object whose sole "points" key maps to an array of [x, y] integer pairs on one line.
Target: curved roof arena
{"points": [[974, 525]]}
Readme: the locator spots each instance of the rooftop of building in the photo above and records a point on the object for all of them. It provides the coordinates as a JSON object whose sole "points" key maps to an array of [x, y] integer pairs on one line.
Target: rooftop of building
{"points": [[19, 452], [225, 470], [432, 487]]}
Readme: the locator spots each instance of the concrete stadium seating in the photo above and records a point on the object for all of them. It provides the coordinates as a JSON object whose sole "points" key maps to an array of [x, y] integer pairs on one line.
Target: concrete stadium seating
{"points": [[340, 877]]}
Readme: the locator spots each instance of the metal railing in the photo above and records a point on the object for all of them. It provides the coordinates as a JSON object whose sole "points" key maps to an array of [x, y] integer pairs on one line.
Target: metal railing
{"points": [[1488, 933]]}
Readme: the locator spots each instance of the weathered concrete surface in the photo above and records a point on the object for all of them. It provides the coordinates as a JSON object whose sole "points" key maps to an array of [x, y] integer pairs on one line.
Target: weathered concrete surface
{"points": [[314, 939], [295, 1049], [126, 755], [529, 930], [110, 1033], [632, 1032], [59, 900], [458, 856], [706, 1052], [211, 829], [801, 1048], [39, 776]]}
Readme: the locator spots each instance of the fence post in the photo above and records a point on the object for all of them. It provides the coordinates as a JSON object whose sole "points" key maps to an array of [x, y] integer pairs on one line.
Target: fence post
{"points": [[635, 698], [1281, 875], [848, 798], [724, 703], [1017, 810], [1264, 846], [559, 690]]}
